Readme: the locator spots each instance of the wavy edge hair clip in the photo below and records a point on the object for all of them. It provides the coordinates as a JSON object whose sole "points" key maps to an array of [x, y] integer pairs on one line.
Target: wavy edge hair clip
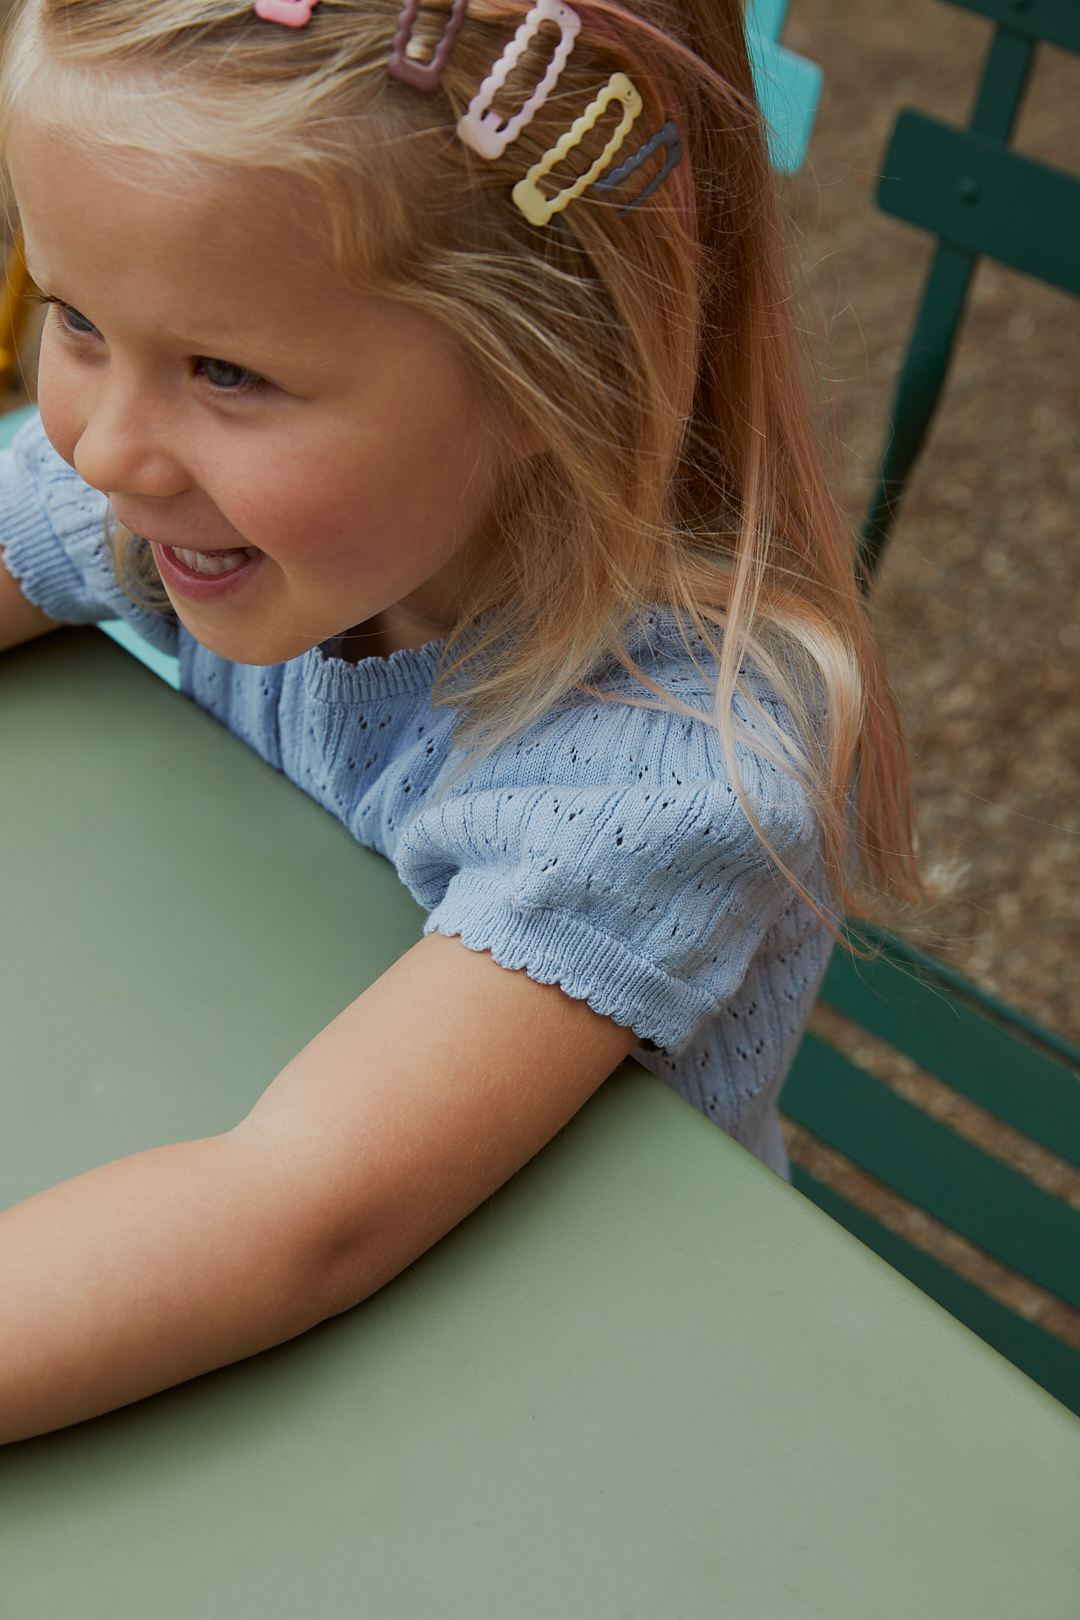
{"points": [[669, 136], [538, 208], [410, 70]]}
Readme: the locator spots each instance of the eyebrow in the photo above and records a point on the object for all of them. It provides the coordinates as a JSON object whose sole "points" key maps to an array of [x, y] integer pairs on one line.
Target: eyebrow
{"points": [[238, 339], [298, 371]]}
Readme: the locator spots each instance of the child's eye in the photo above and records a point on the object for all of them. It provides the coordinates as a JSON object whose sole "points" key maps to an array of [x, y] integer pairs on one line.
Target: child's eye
{"points": [[65, 311], [249, 383], [64, 314]]}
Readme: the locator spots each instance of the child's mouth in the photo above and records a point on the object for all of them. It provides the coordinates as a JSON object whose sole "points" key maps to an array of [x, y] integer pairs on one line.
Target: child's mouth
{"points": [[203, 574], [213, 562]]}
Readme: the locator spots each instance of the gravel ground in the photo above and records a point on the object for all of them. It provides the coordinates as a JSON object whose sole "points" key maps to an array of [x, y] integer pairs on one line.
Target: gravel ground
{"points": [[979, 592], [978, 598]]}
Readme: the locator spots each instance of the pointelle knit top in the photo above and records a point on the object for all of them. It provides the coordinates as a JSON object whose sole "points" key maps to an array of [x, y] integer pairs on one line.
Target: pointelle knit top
{"points": [[602, 849]]}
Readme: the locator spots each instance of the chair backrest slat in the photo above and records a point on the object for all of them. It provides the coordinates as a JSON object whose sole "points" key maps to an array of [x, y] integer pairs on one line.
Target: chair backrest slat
{"points": [[982, 1198], [1057, 21], [969, 190], [962, 1036]]}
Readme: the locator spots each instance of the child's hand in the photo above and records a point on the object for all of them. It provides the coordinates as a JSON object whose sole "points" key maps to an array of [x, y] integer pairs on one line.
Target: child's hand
{"points": [[407, 1111]]}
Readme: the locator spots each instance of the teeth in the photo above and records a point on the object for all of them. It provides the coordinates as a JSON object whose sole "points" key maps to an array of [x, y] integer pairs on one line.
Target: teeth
{"points": [[217, 562]]}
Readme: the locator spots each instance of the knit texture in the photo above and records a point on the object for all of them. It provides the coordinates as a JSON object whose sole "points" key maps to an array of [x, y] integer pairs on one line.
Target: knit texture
{"points": [[603, 850]]}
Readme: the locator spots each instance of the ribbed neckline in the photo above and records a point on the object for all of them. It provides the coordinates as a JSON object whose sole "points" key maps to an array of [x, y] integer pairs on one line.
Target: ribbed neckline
{"points": [[330, 679]]}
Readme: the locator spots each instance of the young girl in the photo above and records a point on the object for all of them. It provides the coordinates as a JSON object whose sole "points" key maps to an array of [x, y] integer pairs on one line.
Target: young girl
{"points": [[427, 381]]}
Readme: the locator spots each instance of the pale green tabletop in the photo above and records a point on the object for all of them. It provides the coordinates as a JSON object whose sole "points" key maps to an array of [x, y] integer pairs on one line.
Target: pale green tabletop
{"points": [[647, 1379]]}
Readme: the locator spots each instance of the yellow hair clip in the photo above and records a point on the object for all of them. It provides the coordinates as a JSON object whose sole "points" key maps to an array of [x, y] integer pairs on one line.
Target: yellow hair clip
{"points": [[537, 208]]}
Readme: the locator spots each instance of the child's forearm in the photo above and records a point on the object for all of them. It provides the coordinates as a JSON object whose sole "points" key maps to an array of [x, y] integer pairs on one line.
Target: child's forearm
{"points": [[146, 1272]]}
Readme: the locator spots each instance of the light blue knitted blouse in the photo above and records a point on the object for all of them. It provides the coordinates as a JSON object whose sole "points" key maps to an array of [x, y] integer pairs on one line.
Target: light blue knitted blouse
{"points": [[604, 849]]}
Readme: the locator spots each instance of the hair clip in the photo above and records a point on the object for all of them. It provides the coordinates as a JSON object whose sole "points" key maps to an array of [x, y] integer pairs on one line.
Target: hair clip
{"points": [[670, 137], [537, 208], [423, 75], [293, 13], [480, 128]]}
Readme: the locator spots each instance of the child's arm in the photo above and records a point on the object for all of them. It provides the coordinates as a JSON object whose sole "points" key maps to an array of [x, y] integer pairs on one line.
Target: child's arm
{"points": [[407, 1111], [20, 620]]}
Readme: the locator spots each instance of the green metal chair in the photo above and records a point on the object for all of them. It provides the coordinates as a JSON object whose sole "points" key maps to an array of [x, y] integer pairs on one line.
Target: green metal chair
{"points": [[977, 197]]}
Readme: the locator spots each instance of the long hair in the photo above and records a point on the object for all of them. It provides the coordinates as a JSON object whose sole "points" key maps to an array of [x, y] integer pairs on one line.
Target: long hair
{"points": [[652, 353]]}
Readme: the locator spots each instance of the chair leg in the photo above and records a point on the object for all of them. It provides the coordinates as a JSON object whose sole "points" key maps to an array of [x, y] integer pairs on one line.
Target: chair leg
{"points": [[1002, 86], [915, 401]]}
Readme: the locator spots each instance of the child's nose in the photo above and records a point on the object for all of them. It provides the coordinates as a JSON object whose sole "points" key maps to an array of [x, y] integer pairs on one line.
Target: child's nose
{"points": [[127, 444]]}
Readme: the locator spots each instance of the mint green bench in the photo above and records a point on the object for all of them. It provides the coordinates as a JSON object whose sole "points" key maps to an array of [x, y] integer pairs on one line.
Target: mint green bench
{"points": [[978, 198], [646, 1378]]}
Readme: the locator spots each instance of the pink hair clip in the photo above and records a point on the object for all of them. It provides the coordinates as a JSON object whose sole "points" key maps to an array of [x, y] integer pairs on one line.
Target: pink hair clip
{"points": [[293, 13], [480, 128], [423, 75]]}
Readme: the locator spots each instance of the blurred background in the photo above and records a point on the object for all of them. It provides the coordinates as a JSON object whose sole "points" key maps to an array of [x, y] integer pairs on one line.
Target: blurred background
{"points": [[978, 596], [977, 601]]}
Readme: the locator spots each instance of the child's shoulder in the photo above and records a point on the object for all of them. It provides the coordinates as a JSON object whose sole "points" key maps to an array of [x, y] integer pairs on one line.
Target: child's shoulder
{"points": [[616, 731], [614, 774], [605, 848]]}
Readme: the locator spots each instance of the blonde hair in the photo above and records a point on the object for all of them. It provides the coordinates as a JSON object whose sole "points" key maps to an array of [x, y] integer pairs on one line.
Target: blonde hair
{"points": [[654, 357]]}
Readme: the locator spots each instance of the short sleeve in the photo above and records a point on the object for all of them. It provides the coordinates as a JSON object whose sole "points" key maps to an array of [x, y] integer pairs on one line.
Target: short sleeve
{"points": [[52, 536], [648, 899]]}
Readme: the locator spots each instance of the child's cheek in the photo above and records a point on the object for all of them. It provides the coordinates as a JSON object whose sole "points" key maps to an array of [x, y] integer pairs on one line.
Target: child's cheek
{"points": [[58, 403], [290, 517], [304, 508]]}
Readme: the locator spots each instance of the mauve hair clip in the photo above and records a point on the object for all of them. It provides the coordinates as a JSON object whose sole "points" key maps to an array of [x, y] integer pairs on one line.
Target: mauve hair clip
{"points": [[423, 75]]}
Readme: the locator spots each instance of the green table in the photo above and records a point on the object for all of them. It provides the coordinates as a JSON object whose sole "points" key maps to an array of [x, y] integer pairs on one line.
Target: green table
{"points": [[646, 1379]]}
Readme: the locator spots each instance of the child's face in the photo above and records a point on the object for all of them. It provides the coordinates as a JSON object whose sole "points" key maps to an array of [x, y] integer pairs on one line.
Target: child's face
{"points": [[361, 471]]}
